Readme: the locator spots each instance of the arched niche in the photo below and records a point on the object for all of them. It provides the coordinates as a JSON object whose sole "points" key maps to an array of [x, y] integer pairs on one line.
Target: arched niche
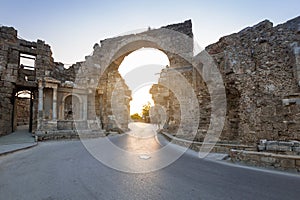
{"points": [[72, 107]]}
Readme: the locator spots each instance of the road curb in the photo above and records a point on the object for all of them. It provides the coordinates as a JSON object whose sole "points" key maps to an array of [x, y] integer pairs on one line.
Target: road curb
{"points": [[12, 150]]}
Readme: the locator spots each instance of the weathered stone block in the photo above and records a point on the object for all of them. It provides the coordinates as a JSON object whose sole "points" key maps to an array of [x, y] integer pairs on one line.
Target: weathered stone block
{"points": [[284, 148], [270, 143], [288, 163], [268, 159], [261, 147], [282, 143], [296, 143], [296, 149], [272, 147]]}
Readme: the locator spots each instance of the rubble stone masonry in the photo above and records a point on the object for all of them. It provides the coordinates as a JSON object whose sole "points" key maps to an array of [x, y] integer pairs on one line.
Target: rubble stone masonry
{"points": [[260, 67]]}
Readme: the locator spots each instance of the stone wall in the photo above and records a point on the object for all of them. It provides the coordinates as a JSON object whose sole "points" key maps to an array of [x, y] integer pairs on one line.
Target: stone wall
{"points": [[103, 94], [115, 95], [14, 77], [268, 160], [260, 69], [51, 83], [23, 111]]}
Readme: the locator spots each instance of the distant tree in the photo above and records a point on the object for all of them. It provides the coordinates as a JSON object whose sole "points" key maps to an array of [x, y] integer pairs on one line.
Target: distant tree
{"points": [[146, 112], [136, 117]]}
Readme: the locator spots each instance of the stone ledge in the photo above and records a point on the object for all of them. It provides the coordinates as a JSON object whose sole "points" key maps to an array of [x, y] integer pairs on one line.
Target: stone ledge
{"points": [[282, 147], [69, 134], [269, 160], [218, 147]]}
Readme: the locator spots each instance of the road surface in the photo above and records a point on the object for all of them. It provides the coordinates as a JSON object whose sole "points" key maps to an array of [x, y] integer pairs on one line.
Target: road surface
{"points": [[66, 170]]}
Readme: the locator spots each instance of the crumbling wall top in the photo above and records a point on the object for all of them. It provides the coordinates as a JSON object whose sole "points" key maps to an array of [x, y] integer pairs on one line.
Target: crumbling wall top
{"points": [[184, 27]]}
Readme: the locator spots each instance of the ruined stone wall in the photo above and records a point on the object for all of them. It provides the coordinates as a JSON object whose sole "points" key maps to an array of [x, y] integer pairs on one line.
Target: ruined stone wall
{"points": [[166, 98], [163, 95], [100, 85], [8, 37], [103, 90], [13, 77], [258, 68], [113, 100]]}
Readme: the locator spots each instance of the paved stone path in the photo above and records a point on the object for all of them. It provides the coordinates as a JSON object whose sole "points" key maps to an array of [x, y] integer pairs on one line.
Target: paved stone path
{"points": [[20, 139]]}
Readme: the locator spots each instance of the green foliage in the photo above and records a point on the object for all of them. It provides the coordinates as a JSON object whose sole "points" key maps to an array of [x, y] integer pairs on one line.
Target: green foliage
{"points": [[136, 117], [146, 112]]}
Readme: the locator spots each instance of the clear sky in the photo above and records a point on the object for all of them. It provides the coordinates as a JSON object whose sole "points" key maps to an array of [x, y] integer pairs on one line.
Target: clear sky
{"points": [[72, 27]]}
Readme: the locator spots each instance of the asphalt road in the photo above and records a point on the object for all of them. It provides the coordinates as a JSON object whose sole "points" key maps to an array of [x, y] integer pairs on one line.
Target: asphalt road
{"points": [[66, 170]]}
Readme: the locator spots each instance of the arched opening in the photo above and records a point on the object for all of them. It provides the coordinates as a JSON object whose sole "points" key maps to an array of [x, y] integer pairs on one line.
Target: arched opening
{"points": [[114, 89], [23, 110], [140, 70], [72, 108]]}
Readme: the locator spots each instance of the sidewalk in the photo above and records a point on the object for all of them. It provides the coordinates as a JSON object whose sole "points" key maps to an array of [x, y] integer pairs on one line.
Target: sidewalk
{"points": [[163, 140], [18, 140]]}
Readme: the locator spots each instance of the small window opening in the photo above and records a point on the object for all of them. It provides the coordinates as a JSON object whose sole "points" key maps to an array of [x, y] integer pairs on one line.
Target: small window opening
{"points": [[23, 94], [27, 61]]}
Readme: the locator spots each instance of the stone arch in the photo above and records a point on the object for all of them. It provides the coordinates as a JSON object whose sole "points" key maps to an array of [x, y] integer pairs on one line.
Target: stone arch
{"points": [[134, 46], [24, 101], [72, 107], [139, 53], [121, 53], [176, 41], [137, 43], [173, 40]]}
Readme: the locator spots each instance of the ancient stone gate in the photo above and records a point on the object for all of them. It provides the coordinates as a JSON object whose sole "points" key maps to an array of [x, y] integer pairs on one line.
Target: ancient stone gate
{"points": [[80, 97], [259, 67]]}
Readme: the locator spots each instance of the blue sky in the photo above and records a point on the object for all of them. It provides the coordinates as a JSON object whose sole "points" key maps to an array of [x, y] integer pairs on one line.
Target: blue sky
{"points": [[72, 27]]}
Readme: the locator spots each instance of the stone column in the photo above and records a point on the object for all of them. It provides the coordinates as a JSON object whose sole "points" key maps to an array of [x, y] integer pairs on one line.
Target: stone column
{"points": [[84, 108], [40, 106], [41, 98], [54, 106]]}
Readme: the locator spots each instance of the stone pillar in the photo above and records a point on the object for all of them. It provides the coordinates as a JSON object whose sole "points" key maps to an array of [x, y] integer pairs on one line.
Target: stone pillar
{"points": [[41, 98], [84, 108], [54, 106], [40, 106]]}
